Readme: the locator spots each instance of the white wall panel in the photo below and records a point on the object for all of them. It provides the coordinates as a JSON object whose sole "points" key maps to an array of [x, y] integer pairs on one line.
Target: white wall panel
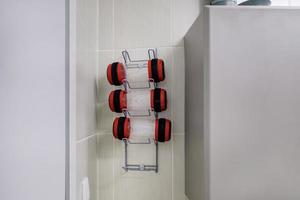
{"points": [[33, 94], [251, 103]]}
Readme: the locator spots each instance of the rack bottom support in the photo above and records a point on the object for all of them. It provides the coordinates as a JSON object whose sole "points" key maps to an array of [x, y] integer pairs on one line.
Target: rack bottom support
{"points": [[140, 167]]}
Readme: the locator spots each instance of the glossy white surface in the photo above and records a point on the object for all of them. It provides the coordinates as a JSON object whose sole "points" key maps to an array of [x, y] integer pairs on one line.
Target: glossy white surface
{"points": [[142, 23]]}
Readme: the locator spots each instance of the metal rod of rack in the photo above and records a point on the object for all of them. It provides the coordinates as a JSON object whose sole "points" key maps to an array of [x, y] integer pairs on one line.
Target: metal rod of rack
{"points": [[148, 113]]}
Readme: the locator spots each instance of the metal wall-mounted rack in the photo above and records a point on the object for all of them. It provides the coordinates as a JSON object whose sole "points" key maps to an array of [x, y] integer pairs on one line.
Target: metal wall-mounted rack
{"points": [[139, 64], [121, 130]]}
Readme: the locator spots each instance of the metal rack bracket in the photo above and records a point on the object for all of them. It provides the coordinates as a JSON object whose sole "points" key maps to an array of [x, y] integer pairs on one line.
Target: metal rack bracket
{"points": [[133, 64], [140, 167]]}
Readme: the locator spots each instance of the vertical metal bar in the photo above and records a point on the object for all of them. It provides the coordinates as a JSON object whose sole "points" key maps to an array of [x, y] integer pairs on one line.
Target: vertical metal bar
{"points": [[125, 85], [126, 56], [126, 154], [156, 144]]}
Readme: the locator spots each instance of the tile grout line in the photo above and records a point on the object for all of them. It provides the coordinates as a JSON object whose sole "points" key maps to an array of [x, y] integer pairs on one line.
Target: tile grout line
{"points": [[173, 116], [172, 22], [113, 28], [97, 83], [113, 54], [86, 138], [173, 169], [138, 48], [109, 133], [173, 76], [113, 170]]}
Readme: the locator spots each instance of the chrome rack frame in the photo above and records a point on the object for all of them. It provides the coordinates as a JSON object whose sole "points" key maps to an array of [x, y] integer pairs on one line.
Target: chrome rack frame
{"points": [[133, 64], [148, 113], [127, 85], [139, 64], [140, 167]]}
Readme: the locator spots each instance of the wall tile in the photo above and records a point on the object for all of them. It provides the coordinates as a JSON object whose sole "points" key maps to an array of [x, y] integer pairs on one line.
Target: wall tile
{"points": [[86, 25], [104, 88], [142, 23], [106, 118], [184, 14], [86, 166], [178, 90], [106, 24], [105, 167], [166, 54], [86, 94], [178, 168], [85, 67]]}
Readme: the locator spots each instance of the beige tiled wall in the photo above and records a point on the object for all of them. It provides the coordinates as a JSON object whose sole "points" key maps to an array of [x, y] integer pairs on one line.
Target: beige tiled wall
{"points": [[85, 89], [137, 25], [141, 23]]}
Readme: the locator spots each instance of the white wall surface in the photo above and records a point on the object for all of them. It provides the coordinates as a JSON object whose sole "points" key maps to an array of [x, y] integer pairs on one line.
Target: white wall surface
{"points": [[251, 104], [32, 100], [195, 49], [254, 104]]}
